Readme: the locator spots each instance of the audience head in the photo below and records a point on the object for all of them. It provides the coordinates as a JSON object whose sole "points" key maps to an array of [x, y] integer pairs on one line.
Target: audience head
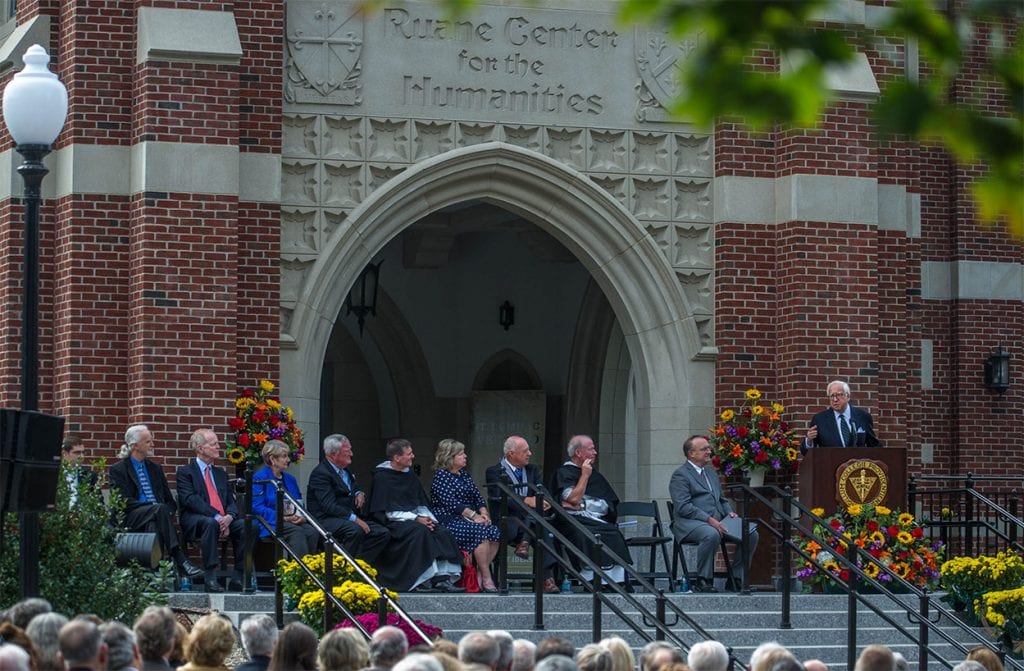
{"points": [[122, 653], [211, 640], [656, 653], [155, 632], [295, 649], [524, 655], [342, 650], [556, 663], [988, 659], [476, 647], [43, 631], [969, 665], [622, 654], [22, 612], [447, 450], [815, 665], [259, 633], [875, 658], [505, 643], [419, 661], [708, 656], [388, 645], [766, 655], [553, 645], [787, 663], [900, 662], [177, 654], [447, 662], [594, 657], [14, 658], [15, 636], [81, 644], [445, 646]]}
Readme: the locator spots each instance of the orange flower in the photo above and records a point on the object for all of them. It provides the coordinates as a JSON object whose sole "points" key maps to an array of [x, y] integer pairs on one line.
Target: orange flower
{"points": [[737, 451], [259, 438]]}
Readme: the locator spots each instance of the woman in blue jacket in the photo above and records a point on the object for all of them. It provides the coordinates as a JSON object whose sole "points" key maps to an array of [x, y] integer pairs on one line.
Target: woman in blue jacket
{"points": [[298, 533]]}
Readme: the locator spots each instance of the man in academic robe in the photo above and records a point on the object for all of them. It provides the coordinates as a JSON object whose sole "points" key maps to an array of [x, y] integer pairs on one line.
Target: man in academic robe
{"points": [[421, 553], [149, 503], [587, 495], [335, 501], [208, 509]]}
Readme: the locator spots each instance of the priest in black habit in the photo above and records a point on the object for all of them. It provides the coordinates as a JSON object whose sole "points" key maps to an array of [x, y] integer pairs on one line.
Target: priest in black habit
{"points": [[585, 493], [421, 554]]}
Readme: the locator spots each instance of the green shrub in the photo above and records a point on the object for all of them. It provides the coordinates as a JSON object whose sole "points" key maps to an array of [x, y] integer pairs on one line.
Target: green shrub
{"points": [[78, 571]]}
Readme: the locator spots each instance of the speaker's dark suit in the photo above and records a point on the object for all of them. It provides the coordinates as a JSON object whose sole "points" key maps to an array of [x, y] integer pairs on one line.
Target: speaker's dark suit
{"points": [[154, 517], [332, 503], [198, 516], [828, 429], [695, 500]]}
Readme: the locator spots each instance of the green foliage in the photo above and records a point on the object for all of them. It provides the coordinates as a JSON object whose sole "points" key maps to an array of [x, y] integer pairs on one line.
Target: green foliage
{"points": [[78, 572]]}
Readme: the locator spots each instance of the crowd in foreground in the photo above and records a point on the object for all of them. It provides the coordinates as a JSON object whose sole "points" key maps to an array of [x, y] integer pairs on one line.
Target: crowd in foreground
{"points": [[33, 638]]}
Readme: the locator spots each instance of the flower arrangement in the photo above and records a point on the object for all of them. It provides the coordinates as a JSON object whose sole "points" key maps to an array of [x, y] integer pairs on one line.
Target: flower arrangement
{"points": [[296, 585], [260, 417], [967, 578], [890, 536], [754, 436], [369, 622], [1004, 610]]}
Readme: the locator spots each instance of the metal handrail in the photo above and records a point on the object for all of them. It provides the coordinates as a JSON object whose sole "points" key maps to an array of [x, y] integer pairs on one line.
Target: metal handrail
{"points": [[541, 538], [331, 547], [921, 617], [970, 522]]}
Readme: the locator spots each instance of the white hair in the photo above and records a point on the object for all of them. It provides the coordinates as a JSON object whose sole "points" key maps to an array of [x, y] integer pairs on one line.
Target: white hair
{"points": [[708, 656], [418, 661], [846, 387]]}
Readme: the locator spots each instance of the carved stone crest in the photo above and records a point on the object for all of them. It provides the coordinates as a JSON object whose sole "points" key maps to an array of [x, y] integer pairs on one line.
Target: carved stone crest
{"points": [[323, 61], [659, 60]]}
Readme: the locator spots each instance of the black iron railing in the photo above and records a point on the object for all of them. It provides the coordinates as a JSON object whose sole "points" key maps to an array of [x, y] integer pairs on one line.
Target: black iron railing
{"points": [[968, 517]]}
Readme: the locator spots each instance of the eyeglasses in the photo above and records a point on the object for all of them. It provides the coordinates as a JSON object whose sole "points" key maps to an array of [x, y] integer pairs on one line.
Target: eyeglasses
{"points": [[841, 394]]}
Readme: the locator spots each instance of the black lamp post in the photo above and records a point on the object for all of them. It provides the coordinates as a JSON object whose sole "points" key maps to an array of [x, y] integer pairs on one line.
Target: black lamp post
{"points": [[35, 105]]}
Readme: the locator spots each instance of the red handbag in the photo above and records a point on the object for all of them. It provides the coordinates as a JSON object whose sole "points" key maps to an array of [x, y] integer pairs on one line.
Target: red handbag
{"points": [[469, 580]]}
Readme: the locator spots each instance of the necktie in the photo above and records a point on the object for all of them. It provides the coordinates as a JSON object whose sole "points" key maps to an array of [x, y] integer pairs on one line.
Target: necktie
{"points": [[847, 431], [144, 486], [519, 474], [211, 491], [345, 480]]}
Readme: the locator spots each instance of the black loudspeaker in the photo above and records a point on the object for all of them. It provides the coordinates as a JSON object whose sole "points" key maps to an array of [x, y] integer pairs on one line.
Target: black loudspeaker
{"points": [[29, 460]]}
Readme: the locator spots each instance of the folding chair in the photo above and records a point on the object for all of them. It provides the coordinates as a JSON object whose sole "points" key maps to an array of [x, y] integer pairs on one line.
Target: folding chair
{"points": [[648, 510]]}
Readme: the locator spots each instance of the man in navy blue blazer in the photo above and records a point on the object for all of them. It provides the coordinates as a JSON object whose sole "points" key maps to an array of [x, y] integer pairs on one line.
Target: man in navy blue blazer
{"points": [[208, 510], [842, 425]]}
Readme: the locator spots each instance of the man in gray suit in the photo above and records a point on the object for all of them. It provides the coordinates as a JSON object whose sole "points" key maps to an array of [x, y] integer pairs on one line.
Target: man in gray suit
{"points": [[704, 516]]}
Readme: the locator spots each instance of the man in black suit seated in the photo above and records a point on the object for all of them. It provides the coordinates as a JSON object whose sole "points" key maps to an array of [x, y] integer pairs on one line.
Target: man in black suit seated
{"points": [[335, 500], [516, 466], [208, 509], [149, 503], [72, 450], [842, 425]]}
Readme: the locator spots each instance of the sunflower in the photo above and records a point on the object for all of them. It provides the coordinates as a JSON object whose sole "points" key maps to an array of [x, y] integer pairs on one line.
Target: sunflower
{"points": [[871, 570], [753, 394], [236, 455], [727, 415], [905, 538], [778, 407], [266, 385], [791, 455], [855, 509], [818, 511], [757, 410], [882, 510], [906, 519]]}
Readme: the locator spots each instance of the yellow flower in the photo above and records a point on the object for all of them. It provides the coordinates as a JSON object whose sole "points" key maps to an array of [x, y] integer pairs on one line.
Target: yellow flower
{"points": [[818, 511], [871, 570], [906, 519], [882, 510], [727, 415], [905, 538], [791, 454], [778, 407], [236, 455], [753, 394], [244, 403], [855, 509], [757, 410], [272, 404], [266, 385]]}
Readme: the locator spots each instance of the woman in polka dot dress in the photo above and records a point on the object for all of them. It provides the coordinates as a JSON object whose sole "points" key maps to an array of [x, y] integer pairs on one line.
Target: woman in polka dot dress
{"points": [[457, 504]]}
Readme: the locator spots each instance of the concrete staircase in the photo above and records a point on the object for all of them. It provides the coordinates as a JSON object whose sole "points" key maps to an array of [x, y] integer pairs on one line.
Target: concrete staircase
{"points": [[819, 621]]}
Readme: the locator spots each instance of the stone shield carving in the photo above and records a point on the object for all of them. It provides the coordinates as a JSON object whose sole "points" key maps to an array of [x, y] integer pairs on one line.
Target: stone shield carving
{"points": [[659, 60], [323, 62]]}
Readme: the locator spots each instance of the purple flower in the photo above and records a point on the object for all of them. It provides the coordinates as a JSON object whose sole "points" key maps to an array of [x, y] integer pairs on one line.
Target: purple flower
{"points": [[369, 622], [776, 464], [728, 469], [276, 432]]}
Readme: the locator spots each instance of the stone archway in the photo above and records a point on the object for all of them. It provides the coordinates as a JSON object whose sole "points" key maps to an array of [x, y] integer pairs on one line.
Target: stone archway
{"points": [[623, 259]]}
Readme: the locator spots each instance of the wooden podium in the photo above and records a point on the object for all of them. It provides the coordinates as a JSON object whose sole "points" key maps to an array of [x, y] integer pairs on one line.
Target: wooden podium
{"points": [[832, 477]]}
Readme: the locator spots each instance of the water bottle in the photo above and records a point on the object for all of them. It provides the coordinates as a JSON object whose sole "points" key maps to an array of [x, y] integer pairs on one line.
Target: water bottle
{"points": [[566, 585], [684, 585], [185, 585], [252, 583]]}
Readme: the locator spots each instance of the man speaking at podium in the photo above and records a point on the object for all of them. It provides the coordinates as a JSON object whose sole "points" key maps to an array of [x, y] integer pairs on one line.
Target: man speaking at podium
{"points": [[842, 425]]}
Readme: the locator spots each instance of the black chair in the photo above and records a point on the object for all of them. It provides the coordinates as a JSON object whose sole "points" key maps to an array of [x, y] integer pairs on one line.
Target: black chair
{"points": [[679, 559], [643, 511]]}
